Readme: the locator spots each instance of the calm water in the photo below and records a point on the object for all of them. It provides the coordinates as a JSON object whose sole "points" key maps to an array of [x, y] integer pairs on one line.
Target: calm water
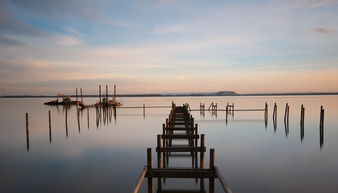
{"points": [[86, 157]]}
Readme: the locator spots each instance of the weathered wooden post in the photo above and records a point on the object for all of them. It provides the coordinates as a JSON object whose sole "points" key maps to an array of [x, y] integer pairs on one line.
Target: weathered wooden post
{"points": [[50, 127], [302, 112], [107, 92], [321, 127], [88, 118], [76, 95], [159, 161], [66, 122], [149, 168], [81, 95], [27, 133], [212, 168], [202, 152], [78, 119], [100, 94], [274, 115], [114, 92]]}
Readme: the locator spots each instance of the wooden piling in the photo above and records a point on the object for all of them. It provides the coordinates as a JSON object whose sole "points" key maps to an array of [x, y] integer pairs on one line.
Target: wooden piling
{"points": [[76, 95], [107, 92], [321, 127], [202, 153], [88, 118], [27, 133], [100, 93], [114, 92], [302, 114], [81, 95], [212, 167], [66, 122], [159, 161], [144, 110], [50, 127], [149, 168]]}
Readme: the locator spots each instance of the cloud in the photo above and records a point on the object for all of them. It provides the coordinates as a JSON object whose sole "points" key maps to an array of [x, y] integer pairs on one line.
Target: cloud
{"points": [[322, 30], [9, 40], [171, 29], [68, 40], [296, 4], [10, 24]]}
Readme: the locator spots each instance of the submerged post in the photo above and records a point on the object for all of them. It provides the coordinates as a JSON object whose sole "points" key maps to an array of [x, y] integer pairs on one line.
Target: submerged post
{"points": [[302, 112]]}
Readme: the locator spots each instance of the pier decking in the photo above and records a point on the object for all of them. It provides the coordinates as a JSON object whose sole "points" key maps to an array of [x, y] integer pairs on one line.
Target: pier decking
{"points": [[180, 126]]}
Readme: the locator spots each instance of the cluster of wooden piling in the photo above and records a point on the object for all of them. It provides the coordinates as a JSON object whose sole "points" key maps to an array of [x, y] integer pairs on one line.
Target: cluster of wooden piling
{"points": [[180, 126]]}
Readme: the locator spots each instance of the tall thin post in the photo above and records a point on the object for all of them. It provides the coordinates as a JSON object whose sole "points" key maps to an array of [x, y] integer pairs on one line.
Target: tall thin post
{"points": [[212, 168], [88, 118], [66, 122], [302, 112], [100, 93], [114, 92], [202, 152], [107, 92], [81, 95], [321, 127], [50, 127], [27, 133], [144, 110], [149, 166], [76, 95]]}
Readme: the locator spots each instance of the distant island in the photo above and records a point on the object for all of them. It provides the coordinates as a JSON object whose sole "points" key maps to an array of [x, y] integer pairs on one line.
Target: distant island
{"points": [[219, 93]]}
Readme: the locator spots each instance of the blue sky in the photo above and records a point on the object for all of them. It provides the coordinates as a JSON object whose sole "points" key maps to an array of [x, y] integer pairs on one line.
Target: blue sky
{"points": [[148, 46]]}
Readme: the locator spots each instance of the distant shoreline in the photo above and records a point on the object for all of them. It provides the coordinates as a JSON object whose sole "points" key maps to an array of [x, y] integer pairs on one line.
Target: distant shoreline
{"points": [[178, 95]]}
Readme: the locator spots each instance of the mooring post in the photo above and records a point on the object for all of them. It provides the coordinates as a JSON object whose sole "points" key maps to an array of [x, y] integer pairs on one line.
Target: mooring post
{"points": [[114, 92], [202, 152], [50, 127], [88, 118], [81, 95], [99, 93], [274, 116], [321, 127], [27, 133], [159, 161], [149, 167], [107, 92], [66, 122], [76, 95], [212, 168]]}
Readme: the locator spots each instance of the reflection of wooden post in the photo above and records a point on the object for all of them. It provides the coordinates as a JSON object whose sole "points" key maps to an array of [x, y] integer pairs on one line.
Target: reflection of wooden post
{"points": [[78, 120], [27, 133], [50, 127], [149, 166]]}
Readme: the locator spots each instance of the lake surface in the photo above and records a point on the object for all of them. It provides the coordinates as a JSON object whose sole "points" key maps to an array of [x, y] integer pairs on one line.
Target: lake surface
{"points": [[82, 156]]}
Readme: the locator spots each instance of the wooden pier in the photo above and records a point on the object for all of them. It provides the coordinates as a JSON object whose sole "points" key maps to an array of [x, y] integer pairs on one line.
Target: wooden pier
{"points": [[180, 126]]}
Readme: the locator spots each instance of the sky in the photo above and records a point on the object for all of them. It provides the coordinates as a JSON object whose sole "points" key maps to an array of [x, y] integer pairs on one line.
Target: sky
{"points": [[168, 46]]}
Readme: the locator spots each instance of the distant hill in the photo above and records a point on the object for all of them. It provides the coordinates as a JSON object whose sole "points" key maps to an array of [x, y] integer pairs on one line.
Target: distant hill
{"points": [[226, 93]]}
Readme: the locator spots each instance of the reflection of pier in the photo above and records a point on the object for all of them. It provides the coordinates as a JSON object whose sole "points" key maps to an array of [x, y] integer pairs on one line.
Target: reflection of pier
{"points": [[180, 126]]}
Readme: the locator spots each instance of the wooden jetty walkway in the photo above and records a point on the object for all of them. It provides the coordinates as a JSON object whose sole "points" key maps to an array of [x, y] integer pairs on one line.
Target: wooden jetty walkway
{"points": [[180, 126]]}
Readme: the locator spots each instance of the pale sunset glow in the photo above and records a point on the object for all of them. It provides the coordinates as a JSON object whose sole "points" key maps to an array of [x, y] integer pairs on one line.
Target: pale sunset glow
{"points": [[147, 46]]}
